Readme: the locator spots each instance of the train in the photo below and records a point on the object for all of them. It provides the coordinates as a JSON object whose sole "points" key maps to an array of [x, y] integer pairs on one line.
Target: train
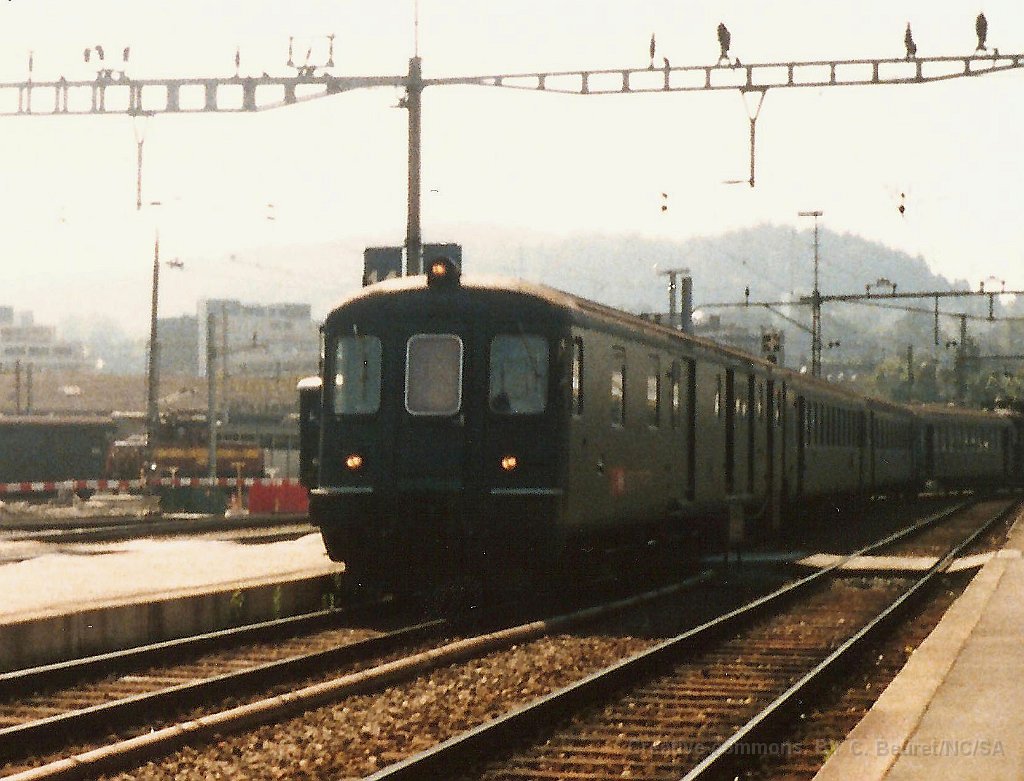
{"points": [[484, 428], [180, 448], [41, 454], [45, 448]]}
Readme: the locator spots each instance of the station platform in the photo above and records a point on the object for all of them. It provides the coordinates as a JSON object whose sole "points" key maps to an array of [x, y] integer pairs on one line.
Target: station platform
{"points": [[956, 710], [70, 601]]}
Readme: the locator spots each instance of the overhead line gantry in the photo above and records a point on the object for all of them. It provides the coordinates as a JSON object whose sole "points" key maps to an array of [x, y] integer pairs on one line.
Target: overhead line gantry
{"points": [[115, 92]]}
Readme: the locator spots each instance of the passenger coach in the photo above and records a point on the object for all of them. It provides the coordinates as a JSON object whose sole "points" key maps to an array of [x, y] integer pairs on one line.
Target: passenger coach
{"points": [[484, 428]]}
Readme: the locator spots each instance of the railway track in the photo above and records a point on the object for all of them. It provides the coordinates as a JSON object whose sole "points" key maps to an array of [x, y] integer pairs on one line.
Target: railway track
{"points": [[52, 706], [699, 703], [41, 707], [160, 739]]}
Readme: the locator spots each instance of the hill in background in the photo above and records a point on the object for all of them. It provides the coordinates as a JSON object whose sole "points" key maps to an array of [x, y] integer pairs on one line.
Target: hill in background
{"points": [[775, 262]]}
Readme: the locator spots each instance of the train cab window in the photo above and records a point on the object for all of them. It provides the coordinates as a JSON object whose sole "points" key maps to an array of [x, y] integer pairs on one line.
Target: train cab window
{"points": [[618, 399], [518, 374], [654, 393], [577, 376], [433, 374], [357, 375]]}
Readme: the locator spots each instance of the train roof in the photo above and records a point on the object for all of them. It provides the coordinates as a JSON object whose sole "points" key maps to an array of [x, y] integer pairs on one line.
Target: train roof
{"points": [[602, 312], [395, 285]]}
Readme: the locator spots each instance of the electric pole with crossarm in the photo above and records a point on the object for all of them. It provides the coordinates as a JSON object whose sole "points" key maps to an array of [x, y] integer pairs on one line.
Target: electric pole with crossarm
{"points": [[115, 92]]}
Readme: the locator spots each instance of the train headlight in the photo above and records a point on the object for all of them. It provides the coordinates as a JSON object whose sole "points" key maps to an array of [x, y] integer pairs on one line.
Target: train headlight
{"points": [[443, 272], [509, 463], [354, 462]]}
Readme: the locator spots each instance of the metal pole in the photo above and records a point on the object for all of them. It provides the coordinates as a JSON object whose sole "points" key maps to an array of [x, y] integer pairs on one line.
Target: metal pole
{"points": [[753, 131], [961, 360], [413, 102], [211, 392], [816, 325], [672, 298], [224, 341], [910, 372], [686, 312], [138, 174], [152, 412], [815, 302], [673, 307]]}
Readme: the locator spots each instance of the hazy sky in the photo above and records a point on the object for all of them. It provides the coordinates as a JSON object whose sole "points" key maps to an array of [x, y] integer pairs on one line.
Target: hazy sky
{"points": [[336, 168]]}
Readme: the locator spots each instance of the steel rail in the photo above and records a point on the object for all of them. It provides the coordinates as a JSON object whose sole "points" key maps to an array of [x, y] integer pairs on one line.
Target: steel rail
{"points": [[55, 675], [119, 754], [781, 709], [52, 731], [484, 740]]}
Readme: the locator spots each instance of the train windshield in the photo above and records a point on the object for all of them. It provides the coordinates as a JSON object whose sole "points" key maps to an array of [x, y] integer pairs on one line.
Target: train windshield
{"points": [[518, 374], [433, 375], [357, 375]]}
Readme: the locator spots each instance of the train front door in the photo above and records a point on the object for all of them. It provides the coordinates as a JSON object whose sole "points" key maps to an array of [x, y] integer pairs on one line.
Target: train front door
{"points": [[430, 446]]}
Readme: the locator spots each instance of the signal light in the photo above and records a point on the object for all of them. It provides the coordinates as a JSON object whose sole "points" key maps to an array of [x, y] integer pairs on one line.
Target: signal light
{"points": [[354, 462], [442, 272], [509, 463]]}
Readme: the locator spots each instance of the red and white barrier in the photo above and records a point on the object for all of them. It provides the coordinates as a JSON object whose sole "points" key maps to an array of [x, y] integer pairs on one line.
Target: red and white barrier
{"points": [[136, 485]]}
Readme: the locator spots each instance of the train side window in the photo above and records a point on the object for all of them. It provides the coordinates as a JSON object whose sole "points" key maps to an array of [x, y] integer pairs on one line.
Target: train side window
{"points": [[518, 374], [675, 379], [654, 393], [577, 376], [433, 374], [357, 375], [618, 399]]}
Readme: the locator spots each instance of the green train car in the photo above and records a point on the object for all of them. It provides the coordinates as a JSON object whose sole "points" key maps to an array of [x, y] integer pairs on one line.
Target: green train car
{"points": [[492, 429], [40, 448]]}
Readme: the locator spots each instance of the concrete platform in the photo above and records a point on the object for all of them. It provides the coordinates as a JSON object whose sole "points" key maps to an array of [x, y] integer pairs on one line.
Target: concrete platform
{"points": [[890, 564], [107, 597], [956, 710]]}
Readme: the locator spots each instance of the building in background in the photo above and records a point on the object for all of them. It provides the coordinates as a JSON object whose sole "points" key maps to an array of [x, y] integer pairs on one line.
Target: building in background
{"points": [[179, 345], [259, 340], [24, 342]]}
